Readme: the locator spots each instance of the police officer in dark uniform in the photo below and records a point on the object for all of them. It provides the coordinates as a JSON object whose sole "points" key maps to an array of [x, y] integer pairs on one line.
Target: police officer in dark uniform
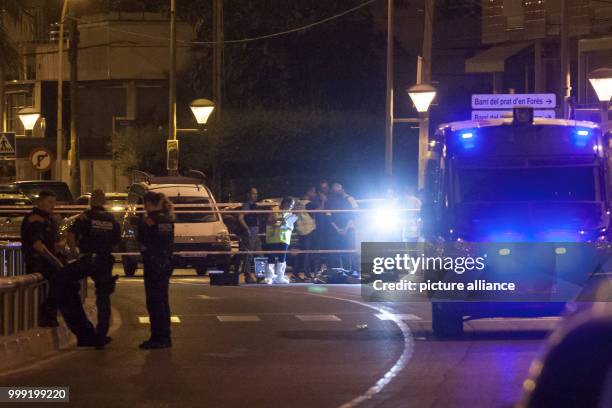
{"points": [[39, 235], [155, 238], [91, 239]]}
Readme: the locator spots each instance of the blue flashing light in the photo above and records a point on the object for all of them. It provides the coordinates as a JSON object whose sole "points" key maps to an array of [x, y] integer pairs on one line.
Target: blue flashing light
{"points": [[467, 139], [582, 137]]}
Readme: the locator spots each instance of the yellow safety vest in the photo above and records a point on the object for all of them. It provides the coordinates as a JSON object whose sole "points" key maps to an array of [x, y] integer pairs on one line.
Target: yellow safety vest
{"points": [[279, 231]]}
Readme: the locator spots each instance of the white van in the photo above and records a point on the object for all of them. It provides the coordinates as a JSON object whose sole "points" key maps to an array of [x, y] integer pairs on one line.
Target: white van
{"points": [[192, 231]]}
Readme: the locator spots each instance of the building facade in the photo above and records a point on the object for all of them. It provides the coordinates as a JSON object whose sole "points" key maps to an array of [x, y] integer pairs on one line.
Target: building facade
{"points": [[521, 42], [123, 61]]}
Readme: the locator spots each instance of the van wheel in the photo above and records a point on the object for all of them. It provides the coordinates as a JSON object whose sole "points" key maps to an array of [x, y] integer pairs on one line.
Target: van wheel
{"points": [[447, 323], [201, 270], [129, 265]]}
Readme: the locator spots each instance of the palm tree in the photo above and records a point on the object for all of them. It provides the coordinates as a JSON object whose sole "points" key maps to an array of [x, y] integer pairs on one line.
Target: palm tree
{"points": [[13, 10]]}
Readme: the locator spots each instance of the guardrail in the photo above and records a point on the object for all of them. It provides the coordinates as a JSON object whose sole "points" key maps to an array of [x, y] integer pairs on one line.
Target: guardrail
{"points": [[11, 259], [20, 297]]}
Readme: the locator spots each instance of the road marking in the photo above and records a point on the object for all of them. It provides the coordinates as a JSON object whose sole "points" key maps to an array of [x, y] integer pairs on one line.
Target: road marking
{"points": [[203, 297], [392, 316], [318, 318], [146, 320], [238, 318]]}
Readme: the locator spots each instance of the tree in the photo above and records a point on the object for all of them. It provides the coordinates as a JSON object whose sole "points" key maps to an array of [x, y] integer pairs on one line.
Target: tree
{"points": [[14, 11]]}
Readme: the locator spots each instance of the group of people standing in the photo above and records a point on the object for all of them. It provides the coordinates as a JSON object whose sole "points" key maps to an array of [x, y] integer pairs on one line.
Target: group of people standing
{"points": [[86, 250], [318, 224]]}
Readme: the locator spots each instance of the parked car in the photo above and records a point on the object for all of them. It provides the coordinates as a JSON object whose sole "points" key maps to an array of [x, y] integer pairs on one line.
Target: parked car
{"points": [[193, 231], [10, 220], [33, 187]]}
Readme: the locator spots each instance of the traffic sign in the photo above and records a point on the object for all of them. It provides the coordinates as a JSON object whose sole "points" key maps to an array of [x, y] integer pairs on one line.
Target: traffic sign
{"points": [[500, 114], [41, 158], [501, 101], [8, 147]]}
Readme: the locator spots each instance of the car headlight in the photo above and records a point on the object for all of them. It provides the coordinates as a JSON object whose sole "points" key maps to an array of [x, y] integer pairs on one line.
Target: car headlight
{"points": [[223, 237]]}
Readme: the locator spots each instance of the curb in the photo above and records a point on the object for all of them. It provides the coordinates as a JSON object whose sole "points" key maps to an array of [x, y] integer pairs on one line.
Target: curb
{"points": [[33, 345]]}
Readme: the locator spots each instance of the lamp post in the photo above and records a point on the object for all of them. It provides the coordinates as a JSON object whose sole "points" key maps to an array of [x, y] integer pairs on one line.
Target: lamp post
{"points": [[59, 148], [601, 81], [28, 117], [422, 95], [201, 109]]}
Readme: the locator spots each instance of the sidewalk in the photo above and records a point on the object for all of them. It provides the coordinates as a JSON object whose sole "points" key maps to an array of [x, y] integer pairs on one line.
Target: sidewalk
{"points": [[30, 346]]}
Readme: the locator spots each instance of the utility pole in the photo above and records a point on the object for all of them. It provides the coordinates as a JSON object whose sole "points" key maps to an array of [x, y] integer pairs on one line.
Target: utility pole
{"points": [[75, 160], [389, 110], [424, 77], [218, 56], [566, 84], [172, 145], [59, 143]]}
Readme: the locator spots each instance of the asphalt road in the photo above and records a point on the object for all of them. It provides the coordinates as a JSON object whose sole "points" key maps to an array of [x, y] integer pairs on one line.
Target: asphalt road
{"points": [[291, 346]]}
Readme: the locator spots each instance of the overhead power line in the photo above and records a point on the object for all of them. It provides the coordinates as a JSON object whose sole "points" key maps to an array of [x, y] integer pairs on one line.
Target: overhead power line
{"points": [[242, 40]]}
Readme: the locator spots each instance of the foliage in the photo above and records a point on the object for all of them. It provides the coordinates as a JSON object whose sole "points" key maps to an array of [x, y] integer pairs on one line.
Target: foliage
{"points": [[280, 151]]}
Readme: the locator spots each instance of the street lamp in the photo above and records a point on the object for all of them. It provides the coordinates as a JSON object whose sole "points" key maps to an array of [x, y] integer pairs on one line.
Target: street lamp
{"points": [[201, 109], [28, 117], [422, 95], [601, 81]]}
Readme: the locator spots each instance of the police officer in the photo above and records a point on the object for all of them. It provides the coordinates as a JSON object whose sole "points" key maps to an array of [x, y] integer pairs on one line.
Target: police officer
{"points": [[155, 239], [39, 235], [91, 239]]}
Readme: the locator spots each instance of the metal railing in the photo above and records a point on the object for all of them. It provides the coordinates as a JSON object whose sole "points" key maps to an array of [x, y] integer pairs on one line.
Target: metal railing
{"points": [[11, 259], [20, 297]]}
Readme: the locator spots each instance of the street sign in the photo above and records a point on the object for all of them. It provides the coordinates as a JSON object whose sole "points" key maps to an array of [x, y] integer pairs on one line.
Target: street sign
{"points": [[8, 146], [41, 158], [501, 114], [501, 101]]}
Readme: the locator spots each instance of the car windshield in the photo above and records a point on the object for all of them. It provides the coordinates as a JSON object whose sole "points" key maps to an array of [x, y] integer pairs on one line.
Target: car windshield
{"points": [[33, 189], [577, 183], [193, 204]]}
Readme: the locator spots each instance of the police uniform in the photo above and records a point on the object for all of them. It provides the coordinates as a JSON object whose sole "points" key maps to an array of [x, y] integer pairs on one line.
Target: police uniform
{"points": [[97, 231], [155, 238], [39, 226]]}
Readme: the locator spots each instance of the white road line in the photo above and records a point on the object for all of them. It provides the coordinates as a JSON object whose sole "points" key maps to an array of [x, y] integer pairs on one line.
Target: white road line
{"points": [[393, 316], [318, 318], [238, 318], [203, 297], [146, 320]]}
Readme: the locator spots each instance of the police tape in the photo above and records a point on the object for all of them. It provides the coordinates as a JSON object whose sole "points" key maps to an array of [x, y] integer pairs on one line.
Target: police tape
{"points": [[262, 252]]}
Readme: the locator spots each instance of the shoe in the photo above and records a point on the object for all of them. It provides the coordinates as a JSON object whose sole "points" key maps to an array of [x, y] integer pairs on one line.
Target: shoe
{"points": [[280, 273], [48, 323], [270, 274], [152, 344], [87, 342], [249, 278], [103, 342]]}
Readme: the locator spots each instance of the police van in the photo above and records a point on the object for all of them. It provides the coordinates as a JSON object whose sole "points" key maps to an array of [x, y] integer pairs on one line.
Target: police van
{"points": [[199, 226]]}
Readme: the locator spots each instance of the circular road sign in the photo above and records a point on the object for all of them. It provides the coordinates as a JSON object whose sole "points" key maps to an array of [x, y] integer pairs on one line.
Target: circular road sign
{"points": [[41, 158]]}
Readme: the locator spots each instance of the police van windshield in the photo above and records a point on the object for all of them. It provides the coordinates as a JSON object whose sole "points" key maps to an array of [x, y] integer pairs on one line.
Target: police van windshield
{"points": [[575, 183], [193, 216]]}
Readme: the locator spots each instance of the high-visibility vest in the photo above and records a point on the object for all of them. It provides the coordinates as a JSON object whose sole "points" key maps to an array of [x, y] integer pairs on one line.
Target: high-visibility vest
{"points": [[280, 230], [305, 223]]}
